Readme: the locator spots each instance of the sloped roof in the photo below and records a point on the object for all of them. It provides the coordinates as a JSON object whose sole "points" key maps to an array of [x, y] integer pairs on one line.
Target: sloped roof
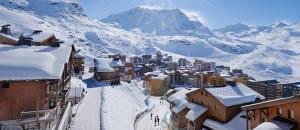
{"points": [[234, 95], [195, 111], [32, 63], [179, 99], [40, 37]]}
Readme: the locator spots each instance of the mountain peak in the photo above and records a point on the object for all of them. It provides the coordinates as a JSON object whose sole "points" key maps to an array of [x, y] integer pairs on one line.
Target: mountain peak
{"points": [[159, 21], [278, 24], [239, 27]]}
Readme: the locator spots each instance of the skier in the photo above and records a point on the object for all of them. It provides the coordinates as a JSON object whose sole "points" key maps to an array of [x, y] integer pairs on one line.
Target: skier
{"points": [[151, 116], [158, 120]]}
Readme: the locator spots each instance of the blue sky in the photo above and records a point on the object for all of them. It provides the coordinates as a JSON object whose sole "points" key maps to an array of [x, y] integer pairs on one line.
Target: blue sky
{"points": [[213, 13]]}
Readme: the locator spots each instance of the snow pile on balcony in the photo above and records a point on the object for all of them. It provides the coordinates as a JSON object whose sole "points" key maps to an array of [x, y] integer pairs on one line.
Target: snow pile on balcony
{"points": [[195, 111], [234, 95], [106, 64], [77, 87], [33, 63]]}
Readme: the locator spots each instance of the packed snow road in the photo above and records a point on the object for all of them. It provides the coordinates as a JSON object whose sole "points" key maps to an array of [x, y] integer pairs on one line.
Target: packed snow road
{"points": [[88, 112], [160, 108]]}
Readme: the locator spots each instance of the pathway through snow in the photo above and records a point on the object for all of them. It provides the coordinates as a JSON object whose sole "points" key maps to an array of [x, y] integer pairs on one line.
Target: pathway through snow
{"points": [[145, 123]]}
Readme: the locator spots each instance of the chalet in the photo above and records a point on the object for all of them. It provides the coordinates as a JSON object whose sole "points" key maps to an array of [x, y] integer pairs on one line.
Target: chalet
{"points": [[159, 56], [277, 114], [146, 58], [171, 65], [78, 64], [106, 70], [178, 102], [129, 73], [6, 37], [157, 83], [39, 38], [200, 108], [136, 59], [34, 84], [118, 56], [182, 62], [222, 103]]}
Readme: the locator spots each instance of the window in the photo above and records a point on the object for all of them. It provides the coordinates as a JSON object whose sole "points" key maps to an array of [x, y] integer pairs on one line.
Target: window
{"points": [[4, 85], [208, 105], [279, 111], [207, 94], [216, 107], [291, 114]]}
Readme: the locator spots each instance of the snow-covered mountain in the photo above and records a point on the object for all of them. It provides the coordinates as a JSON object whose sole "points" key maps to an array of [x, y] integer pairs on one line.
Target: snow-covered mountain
{"points": [[271, 51], [162, 22]]}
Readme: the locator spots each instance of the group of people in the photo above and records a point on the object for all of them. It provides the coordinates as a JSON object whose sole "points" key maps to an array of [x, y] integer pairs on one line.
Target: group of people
{"points": [[156, 119]]}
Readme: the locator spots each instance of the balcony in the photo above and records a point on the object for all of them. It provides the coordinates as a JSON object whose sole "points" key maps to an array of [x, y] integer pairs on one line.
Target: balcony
{"points": [[174, 121], [39, 116], [63, 96]]}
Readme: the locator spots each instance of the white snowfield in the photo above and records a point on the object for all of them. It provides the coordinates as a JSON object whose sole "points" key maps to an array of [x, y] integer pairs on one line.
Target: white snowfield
{"points": [[31, 63]]}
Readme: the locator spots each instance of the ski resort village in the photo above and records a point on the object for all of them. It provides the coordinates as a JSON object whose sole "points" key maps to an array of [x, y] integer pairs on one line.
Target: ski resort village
{"points": [[61, 70]]}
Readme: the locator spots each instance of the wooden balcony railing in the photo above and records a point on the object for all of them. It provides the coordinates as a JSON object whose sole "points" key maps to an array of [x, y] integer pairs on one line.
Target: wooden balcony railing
{"points": [[39, 116]]}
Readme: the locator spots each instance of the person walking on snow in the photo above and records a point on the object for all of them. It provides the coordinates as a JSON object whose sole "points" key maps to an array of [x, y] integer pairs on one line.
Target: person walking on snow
{"points": [[155, 120], [151, 116], [158, 121]]}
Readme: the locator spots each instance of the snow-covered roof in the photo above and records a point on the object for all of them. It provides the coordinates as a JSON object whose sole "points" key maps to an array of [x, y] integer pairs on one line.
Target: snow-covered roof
{"points": [[236, 95], [195, 111], [179, 99], [237, 123], [268, 126], [277, 123], [104, 65], [8, 36], [32, 63], [40, 37], [77, 86]]}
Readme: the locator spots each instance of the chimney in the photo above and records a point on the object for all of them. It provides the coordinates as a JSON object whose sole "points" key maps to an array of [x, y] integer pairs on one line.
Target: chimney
{"points": [[232, 83], [25, 41], [6, 29]]}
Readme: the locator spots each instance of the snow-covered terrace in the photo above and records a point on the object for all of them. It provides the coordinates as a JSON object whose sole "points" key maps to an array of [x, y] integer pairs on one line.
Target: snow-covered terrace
{"points": [[33, 63]]}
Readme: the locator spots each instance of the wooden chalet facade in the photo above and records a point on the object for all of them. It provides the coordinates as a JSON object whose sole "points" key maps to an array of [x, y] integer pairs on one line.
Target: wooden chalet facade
{"points": [[282, 113], [34, 99], [211, 103]]}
